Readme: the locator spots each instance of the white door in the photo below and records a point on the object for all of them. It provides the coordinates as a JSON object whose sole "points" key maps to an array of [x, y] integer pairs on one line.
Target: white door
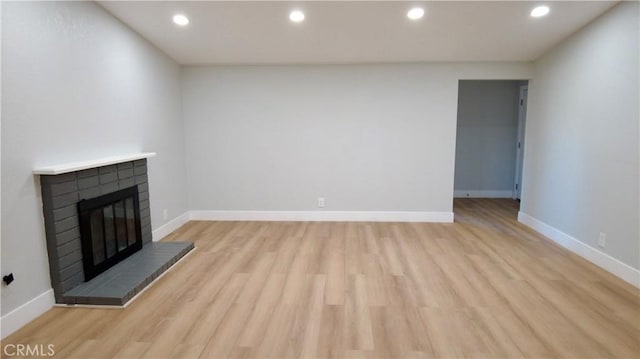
{"points": [[522, 119]]}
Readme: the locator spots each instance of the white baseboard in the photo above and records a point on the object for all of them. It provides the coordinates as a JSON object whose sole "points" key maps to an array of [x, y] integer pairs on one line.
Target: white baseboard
{"points": [[460, 193], [170, 226], [322, 216], [597, 257], [27, 312]]}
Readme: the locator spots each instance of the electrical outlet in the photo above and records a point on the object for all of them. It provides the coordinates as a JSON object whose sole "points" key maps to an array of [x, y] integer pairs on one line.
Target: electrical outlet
{"points": [[165, 214], [7, 279], [602, 240], [321, 202]]}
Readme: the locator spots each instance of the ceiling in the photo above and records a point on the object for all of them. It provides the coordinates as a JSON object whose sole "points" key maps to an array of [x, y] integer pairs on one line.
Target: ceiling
{"points": [[239, 32]]}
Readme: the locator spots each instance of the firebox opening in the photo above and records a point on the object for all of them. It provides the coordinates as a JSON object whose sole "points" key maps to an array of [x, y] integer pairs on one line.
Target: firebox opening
{"points": [[110, 229]]}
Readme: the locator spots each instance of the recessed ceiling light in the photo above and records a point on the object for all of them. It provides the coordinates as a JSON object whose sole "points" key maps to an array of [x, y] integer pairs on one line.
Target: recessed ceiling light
{"points": [[296, 16], [180, 20], [540, 11], [415, 13]]}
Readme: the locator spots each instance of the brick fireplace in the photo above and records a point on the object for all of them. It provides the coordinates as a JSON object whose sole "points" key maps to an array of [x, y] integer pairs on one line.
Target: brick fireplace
{"points": [[66, 190]]}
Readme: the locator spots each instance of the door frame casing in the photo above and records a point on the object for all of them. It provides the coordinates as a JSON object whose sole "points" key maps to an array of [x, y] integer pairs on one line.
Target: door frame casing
{"points": [[522, 121]]}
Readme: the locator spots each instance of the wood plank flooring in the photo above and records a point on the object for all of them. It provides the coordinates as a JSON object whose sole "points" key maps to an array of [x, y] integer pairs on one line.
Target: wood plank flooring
{"points": [[482, 287]]}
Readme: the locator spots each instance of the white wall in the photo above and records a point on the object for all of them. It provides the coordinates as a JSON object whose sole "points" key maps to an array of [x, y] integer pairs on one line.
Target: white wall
{"points": [[581, 171], [77, 84], [365, 137], [487, 136]]}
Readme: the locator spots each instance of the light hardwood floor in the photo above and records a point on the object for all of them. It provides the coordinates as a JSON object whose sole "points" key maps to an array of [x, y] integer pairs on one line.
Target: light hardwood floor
{"points": [[484, 287]]}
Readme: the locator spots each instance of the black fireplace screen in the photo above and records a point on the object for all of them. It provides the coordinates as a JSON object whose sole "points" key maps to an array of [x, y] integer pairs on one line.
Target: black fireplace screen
{"points": [[109, 229]]}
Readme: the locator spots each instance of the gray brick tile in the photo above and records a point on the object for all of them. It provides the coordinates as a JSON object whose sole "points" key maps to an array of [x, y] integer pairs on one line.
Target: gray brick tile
{"points": [[67, 236], [140, 170], [89, 193], [125, 173], [72, 281], [70, 271], [108, 187], [107, 169], [143, 196], [88, 182], [126, 183], [64, 200], [69, 247], [64, 187], [65, 212], [87, 173], [66, 224], [108, 177], [141, 179], [70, 259], [145, 224], [51, 179], [124, 165]]}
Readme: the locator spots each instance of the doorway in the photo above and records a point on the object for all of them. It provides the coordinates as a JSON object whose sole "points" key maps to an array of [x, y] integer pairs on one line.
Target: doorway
{"points": [[490, 136]]}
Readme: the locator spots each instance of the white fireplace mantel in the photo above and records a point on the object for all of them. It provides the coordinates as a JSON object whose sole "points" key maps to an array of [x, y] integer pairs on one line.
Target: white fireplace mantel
{"points": [[83, 165]]}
